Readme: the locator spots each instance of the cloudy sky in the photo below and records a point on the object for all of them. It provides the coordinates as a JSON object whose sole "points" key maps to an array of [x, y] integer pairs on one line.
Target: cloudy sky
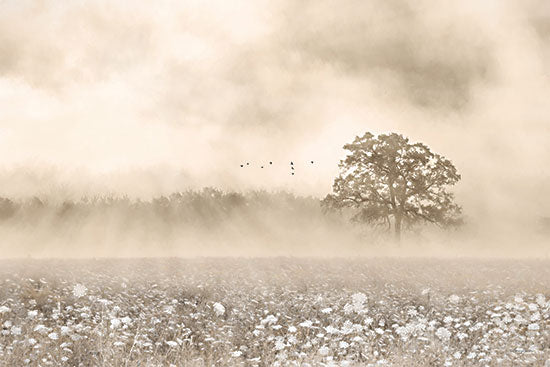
{"points": [[149, 96]]}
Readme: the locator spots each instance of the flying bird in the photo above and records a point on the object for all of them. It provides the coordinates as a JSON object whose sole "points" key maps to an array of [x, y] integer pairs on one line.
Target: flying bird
{"points": [[311, 162], [270, 162], [291, 163], [242, 165]]}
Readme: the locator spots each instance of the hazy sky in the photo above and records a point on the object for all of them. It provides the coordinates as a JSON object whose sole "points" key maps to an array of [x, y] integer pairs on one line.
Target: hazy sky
{"points": [[143, 97]]}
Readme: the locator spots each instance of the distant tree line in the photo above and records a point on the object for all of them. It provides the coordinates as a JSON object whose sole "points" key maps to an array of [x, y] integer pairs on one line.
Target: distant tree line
{"points": [[206, 206]]}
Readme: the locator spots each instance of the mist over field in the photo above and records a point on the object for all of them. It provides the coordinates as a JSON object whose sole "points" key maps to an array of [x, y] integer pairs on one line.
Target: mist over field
{"points": [[147, 99]]}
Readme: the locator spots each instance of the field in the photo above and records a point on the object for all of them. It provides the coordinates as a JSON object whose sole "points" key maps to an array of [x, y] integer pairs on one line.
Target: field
{"points": [[274, 312]]}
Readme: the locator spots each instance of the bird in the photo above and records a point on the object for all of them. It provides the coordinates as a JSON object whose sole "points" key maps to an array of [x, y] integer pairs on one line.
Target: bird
{"points": [[262, 167], [270, 162], [311, 162], [291, 163], [242, 165], [247, 163], [292, 168], [292, 173]]}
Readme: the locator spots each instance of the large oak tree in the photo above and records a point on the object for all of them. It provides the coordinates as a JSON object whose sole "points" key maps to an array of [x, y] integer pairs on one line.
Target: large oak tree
{"points": [[388, 180]]}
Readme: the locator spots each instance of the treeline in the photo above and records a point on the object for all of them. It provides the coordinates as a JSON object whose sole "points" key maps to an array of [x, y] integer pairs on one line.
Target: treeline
{"points": [[205, 222], [206, 206]]}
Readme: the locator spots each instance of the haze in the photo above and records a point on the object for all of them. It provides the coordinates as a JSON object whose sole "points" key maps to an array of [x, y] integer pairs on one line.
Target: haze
{"points": [[148, 98]]}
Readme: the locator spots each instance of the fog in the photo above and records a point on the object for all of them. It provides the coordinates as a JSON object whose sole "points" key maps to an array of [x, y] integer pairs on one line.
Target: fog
{"points": [[143, 99]]}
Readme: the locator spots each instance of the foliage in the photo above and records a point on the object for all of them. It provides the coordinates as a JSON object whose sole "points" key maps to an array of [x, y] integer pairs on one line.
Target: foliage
{"points": [[206, 206], [388, 179]]}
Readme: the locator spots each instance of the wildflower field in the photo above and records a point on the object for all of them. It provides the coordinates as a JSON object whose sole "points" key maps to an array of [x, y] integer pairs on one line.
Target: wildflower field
{"points": [[274, 312]]}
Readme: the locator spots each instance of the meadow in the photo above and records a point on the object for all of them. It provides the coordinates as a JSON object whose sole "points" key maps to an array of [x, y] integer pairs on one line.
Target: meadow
{"points": [[274, 312]]}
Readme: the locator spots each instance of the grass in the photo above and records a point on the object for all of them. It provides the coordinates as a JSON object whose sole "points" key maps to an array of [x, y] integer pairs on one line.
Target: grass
{"points": [[277, 312]]}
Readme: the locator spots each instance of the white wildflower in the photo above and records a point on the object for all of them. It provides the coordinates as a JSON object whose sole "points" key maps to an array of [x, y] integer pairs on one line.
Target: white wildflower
{"points": [[324, 351], [454, 299], [115, 323], [269, 320], [32, 314], [169, 309], [403, 332], [4, 309], [219, 309], [171, 343], [357, 328], [79, 290], [53, 336], [15, 330], [347, 328], [236, 354], [306, 323], [326, 310], [359, 298], [443, 334], [41, 329], [533, 327], [104, 302], [280, 345]]}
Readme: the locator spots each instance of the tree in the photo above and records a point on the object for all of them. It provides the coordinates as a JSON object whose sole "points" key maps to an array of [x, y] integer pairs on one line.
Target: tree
{"points": [[387, 180]]}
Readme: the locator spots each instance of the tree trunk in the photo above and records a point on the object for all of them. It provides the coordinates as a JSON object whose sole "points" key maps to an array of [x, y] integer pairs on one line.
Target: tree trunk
{"points": [[398, 228]]}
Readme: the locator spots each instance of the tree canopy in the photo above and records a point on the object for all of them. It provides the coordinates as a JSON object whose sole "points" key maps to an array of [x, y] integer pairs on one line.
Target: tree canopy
{"points": [[390, 181]]}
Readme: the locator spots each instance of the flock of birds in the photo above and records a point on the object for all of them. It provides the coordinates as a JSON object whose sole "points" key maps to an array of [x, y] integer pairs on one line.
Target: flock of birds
{"points": [[292, 170]]}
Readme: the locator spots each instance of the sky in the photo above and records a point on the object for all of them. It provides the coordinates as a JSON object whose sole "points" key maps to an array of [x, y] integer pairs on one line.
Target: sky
{"points": [[149, 97]]}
